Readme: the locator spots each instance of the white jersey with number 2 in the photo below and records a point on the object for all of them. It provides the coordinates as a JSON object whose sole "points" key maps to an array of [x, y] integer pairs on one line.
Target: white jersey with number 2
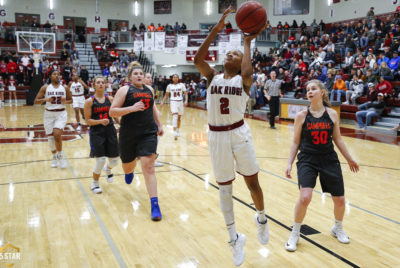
{"points": [[226, 100], [176, 91]]}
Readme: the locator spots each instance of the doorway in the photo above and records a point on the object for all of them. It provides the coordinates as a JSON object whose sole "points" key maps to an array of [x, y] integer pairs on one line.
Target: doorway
{"points": [[76, 24], [21, 19]]}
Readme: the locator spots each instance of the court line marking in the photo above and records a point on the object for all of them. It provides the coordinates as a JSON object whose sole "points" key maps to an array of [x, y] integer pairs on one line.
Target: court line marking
{"points": [[81, 178], [343, 259], [103, 228], [350, 204]]}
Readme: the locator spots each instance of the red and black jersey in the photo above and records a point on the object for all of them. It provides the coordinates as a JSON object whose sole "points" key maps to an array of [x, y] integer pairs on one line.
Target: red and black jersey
{"points": [[12, 83], [142, 121], [3, 68], [101, 111], [21, 68], [316, 134]]}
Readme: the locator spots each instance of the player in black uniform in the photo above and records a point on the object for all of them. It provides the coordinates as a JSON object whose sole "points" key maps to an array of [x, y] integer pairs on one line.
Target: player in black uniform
{"points": [[138, 132], [314, 130], [103, 135]]}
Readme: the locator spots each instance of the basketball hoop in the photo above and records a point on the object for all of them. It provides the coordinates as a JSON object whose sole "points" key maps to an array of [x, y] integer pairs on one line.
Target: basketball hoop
{"points": [[36, 51]]}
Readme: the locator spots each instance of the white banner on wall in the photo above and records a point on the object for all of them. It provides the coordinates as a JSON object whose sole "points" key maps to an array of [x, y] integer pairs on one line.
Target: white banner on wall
{"points": [[159, 41], [294, 109], [138, 46], [182, 44], [223, 47], [235, 41], [149, 41]]}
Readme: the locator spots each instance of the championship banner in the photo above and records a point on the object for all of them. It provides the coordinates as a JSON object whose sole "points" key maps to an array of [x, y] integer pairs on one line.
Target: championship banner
{"points": [[223, 43], [182, 44], [195, 40], [170, 44], [149, 41], [235, 41], [212, 55], [138, 45], [159, 41]]}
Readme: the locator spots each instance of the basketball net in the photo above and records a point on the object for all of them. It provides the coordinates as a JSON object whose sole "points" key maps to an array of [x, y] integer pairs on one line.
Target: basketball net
{"points": [[36, 59]]}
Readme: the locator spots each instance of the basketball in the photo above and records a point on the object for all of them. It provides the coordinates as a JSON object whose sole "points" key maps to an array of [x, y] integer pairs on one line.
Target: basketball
{"points": [[251, 17]]}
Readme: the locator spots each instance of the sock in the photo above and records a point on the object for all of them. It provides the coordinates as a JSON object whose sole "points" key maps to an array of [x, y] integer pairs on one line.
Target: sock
{"points": [[226, 204], [338, 223], [108, 171], [296, 226], [59, 154], [55, 156], [129, 178], [95, 183], [154, 201], [261, 216]]}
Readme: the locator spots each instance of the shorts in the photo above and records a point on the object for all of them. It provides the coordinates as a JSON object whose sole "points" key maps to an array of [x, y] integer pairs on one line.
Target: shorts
{"points": [[328, 168], [52, 120], [78, 102], [232, 151], [176, 107], [132, 146], [10, 88], [104, 142]]}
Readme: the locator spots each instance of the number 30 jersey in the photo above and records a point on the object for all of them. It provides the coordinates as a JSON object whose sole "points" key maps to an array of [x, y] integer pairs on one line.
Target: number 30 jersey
{"points": [[56, 94], [176, 91], [226, 100], [316, 134]]}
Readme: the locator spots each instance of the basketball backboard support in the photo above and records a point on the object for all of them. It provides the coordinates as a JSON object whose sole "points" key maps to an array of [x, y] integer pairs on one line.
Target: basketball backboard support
{"points": [[28, 41]]}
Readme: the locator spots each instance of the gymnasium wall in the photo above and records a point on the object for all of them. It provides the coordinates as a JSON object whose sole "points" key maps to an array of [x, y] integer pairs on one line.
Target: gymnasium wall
{"points": [[192, 12], [345, 10]]}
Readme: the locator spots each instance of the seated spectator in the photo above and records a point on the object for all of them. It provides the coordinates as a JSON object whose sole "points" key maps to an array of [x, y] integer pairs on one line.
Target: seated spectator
{"points": [[330, 81], [106, 71], [355, 91], [64, 54], [75, 61], [382, 58], [359, 62], [370, 111], [394, 62], [151, 28], [330, 55], [301, 87], [124, 69], [321, 77], [361, 75], [287, 82], [384, 87], [348, 61], [124, 58], [370, 61], [385, 71], [338, 89]]}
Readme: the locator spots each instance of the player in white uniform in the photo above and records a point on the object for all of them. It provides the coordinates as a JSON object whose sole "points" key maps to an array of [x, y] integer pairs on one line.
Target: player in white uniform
{"points": [[176, 90], [55, 115], [77, 88], [109, 86], [2, 85], [230, 141]]}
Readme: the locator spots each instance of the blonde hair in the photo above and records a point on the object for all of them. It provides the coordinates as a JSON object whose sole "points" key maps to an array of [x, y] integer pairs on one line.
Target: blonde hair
{"points": [[321, 86], [132, 66], [97, 78]]}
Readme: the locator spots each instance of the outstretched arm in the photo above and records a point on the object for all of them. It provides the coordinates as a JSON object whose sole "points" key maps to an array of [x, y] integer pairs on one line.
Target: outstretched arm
{"points": [[247, 68], [199, 59]]}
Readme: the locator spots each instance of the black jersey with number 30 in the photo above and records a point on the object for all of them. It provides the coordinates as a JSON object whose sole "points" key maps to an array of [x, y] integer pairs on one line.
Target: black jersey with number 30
{"points": [[316, 134]]}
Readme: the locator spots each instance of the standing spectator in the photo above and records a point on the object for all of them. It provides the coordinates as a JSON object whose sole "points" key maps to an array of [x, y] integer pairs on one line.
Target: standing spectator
{"points": [[228, 27], [151, 27], [64, 54], [3, 69], [12, 68], [373, 109], [20, 74], [252, 97], [68, 36], [47, 26], [370, 15], [272, 91], [67, 69], [84, 74], [25, 24], [322, 27], [339, 88], [183, 28], [177, 28], [142, 27], [133, 29], [35, 24], [160, 28]]}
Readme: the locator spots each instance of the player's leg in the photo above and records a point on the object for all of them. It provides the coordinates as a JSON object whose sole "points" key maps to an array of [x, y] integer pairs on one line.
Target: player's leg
{"points": [[95, 187], [59, 124], [147, 163], [48, 123], [129, 169]]}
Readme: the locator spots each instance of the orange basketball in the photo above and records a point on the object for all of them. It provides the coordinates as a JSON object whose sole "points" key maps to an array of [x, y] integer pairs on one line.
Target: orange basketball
{"points": [[251, 17]]}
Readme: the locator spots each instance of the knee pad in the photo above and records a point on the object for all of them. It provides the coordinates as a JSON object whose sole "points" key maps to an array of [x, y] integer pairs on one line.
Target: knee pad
{"points": [[175, 120], [100, 161], [112, 162], [52, 143]]}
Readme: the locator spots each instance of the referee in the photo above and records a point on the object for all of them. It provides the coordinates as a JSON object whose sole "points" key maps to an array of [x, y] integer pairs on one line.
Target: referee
{"points": [[272, 91]]}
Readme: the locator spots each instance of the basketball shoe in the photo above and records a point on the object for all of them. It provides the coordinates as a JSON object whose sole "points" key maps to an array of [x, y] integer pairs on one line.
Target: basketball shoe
{"points": [[109, 175], [54, 162], [155, 209], [176, 135], [61, 160], [291, 244], [262, 230], [237, 249], [95, 187], [337, 231], [79, 128]]}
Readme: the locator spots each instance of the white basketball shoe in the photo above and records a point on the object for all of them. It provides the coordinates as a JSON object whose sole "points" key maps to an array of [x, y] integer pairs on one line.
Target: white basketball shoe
{"points": [[237, 248]]}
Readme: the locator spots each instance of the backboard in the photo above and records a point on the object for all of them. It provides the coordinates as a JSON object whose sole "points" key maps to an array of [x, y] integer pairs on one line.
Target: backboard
{"points": [[28, 41]]}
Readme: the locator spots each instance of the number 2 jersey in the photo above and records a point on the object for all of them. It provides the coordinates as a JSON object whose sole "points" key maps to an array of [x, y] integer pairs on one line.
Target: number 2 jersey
{"points": [[56, 94], [226, 100], [176, 91], [316, 134]]}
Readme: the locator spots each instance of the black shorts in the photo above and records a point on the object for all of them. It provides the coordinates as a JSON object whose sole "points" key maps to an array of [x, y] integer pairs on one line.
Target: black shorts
{"points": [[104, 142], [328, 168], [132, 146]]}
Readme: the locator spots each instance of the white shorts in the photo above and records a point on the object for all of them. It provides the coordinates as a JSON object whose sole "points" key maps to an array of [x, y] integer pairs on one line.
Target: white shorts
{"points": [[176, 107], [78, 102], [232, 151], [10, 88], [53, 120]]}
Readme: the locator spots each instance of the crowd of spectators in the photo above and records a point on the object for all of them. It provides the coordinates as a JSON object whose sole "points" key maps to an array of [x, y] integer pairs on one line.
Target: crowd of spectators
{"points": [[351, 59]]}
